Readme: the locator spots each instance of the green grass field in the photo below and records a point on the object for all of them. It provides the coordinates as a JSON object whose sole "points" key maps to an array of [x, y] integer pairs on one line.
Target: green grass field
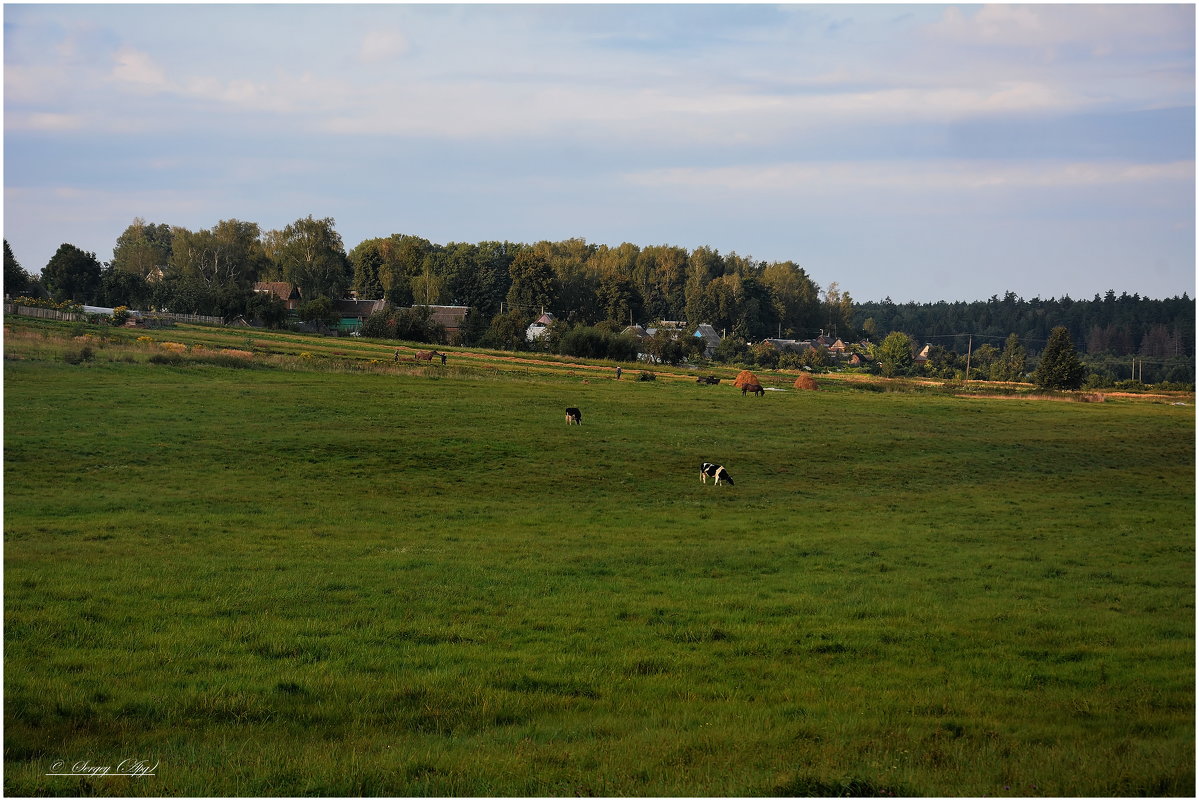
{"points": [[306, 579]]}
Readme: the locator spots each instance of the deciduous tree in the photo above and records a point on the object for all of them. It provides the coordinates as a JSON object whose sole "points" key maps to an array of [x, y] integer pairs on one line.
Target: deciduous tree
{"points": [[895, 354], [1010, 365], [143, 249], [313, 259], [533, 283], [72, 274]]}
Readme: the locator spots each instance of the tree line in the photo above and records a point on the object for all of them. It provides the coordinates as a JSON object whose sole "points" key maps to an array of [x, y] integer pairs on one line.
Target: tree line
{"points": [[507, 285], [1123, 325], [212, 271]]}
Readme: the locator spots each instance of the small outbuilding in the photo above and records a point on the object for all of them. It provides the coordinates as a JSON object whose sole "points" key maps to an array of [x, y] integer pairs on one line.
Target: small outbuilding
{"points": [[538, 327]]}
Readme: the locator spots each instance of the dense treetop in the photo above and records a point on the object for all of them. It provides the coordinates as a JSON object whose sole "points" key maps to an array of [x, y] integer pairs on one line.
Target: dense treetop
{"points": [[506, 284]]}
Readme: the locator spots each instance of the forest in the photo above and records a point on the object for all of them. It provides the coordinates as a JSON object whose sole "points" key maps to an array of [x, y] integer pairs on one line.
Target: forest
{"points": [[585, 285]]}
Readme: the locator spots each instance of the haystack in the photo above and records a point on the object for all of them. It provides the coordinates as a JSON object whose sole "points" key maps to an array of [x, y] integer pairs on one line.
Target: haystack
{"points": [[805, 381], [746, 379]]}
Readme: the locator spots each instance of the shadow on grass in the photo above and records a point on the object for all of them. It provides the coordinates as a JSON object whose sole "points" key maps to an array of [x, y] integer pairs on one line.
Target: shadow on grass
{"points": [[811, 787]]}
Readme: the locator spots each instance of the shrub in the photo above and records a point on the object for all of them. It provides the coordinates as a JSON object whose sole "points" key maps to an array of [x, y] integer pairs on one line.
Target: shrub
{"points": [[765, 355], [380, 325], [84, 354], [731, 349], [790, 360], [815, 359], [646, 376], [590, 342], [46, 303], [233, 359], [319, 311], [169, 359], [120, 315]]}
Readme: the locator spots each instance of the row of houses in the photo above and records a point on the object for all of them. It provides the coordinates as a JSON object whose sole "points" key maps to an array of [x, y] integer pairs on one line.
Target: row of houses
{"points": [[538, 328], [836, 347], [352, 312]]}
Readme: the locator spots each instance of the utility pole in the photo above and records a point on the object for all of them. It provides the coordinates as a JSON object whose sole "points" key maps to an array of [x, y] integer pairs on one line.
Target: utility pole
{"points": [[969, 351]]}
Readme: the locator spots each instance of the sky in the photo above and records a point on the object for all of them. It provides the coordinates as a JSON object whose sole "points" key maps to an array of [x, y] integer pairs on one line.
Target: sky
{"points": [[920, 153]]}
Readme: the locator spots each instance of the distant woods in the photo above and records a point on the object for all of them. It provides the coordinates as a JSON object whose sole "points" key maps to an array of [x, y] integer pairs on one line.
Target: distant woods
{"points": [[507, 285]]}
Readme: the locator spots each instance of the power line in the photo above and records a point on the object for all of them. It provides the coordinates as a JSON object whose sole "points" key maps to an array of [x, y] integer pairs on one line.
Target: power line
{"points": [[980, 336]]}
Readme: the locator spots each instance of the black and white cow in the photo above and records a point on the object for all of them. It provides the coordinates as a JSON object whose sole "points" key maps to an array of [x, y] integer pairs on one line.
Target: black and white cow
{"points": [[574, 417], [715, 471]]}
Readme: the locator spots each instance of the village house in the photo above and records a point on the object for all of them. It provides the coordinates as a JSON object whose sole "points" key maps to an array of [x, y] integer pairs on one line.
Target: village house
{"points": [[286, 292], [830, 343], [537, 328], [675, 330], [711, 339], [636, 331], [448, 317], [352, 312], [789, 345]]}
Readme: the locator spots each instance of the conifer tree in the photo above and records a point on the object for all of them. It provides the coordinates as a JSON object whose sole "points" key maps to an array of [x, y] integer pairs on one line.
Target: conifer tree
{"points": [[1059, 367]]}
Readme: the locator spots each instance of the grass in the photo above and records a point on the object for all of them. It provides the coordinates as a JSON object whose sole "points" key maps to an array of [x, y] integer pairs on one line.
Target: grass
{"points": [[324, 578]]}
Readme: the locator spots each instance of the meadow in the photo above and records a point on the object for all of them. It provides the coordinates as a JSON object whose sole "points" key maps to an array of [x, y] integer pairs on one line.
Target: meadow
{"points": [[303, 571]]}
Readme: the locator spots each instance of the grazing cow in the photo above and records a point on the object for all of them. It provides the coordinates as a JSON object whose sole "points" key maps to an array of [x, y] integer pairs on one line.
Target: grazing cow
{"points": [[574, 417], [708, 379], [754, 388], [715, 471]]}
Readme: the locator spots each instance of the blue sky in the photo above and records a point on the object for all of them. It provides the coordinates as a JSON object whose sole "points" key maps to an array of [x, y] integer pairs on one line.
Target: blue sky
{"points": [[913, 152]]}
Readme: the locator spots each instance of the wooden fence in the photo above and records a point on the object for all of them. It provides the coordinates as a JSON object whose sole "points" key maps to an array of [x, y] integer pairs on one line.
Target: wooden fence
{"points": [[48, 314], [190, 318], [54, 314]]}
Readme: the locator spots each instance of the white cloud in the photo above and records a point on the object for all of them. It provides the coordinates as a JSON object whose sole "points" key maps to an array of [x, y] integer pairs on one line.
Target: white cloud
{"points": [[382, 45], [135, 67], [911, 176], [1100, 28], [49, 122], [680, 112]]}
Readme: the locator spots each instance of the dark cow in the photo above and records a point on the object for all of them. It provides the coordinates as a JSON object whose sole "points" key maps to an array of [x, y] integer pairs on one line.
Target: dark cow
{"points": [[707, 379], [715, 471], [574, 417]]}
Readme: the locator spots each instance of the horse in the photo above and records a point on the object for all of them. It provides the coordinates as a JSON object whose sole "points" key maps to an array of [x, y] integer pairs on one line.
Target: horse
{"points": [[754, 388], [427, 356]]}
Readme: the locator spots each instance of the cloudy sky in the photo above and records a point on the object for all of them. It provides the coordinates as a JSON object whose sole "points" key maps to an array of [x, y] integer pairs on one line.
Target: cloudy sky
{"points": [[917, 152]]}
